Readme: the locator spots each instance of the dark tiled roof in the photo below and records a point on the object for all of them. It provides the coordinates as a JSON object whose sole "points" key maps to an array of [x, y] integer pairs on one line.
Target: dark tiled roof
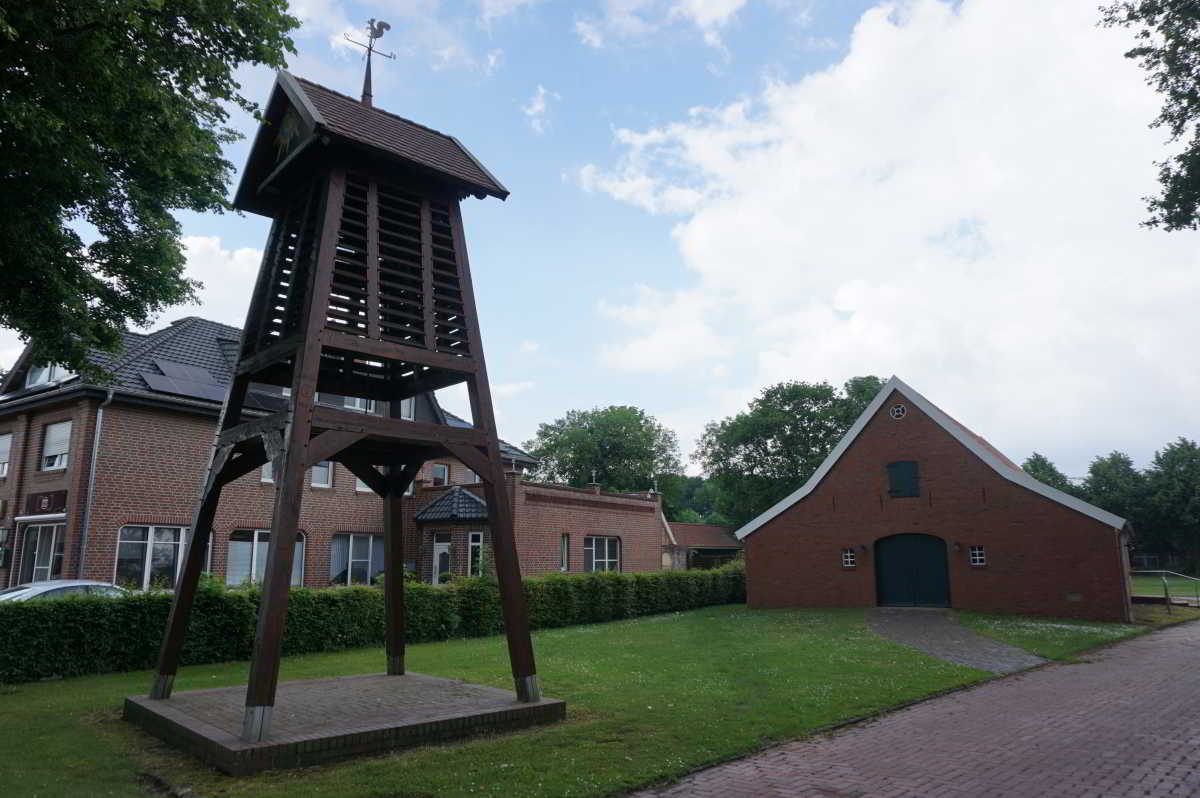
{"points": [[375, 127], [507, 450], [456, 504], [704, 535]]}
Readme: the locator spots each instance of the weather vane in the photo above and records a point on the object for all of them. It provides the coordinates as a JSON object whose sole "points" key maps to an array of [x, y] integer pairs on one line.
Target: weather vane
{"points": [[375, 30]]}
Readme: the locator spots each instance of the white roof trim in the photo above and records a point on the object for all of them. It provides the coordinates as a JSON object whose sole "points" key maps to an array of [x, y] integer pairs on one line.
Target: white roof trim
{"points": [[1017, 476], [667, 526]]}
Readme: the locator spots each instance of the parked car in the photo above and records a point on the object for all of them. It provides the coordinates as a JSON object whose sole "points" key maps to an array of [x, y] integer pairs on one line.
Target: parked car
{"points": [[61, 588]]}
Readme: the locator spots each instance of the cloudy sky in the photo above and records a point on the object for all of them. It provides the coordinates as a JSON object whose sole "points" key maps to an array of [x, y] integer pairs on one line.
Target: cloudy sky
{"points": [[710, 196]]}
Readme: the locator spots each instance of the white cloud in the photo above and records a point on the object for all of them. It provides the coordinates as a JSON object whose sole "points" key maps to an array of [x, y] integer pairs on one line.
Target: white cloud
{"points": [[529, 347], [957, 202], [495, 9], [538, 107], [507, 390], [638, 19], [227, 275], [589, 33], [494, 60]]}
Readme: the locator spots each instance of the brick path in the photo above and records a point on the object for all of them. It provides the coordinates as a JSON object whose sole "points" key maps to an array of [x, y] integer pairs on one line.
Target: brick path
{"points": [[939, 634], [1126, 723]]}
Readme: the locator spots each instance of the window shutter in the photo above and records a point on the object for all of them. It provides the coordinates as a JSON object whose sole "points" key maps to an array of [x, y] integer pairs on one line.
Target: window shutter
{"points": [[58, 439], [902, 479]]}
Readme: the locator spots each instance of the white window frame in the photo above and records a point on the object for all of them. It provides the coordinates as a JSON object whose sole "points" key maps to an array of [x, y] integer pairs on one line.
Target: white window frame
{"points": [[329, 472], [185, 539], [301, 541], [6, 453], [977, 555], [433, 474], [474, 554], [589, 545], [51, 373], [371, 570], [564, 553], [359, 404], [849, 558], [57, 539], [267, 474], [56, 461], [361, 487]]}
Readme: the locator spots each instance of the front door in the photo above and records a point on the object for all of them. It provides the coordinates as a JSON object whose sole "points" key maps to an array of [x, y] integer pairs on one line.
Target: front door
{"points": [[42, 553], [912, 571], [441, 557]]}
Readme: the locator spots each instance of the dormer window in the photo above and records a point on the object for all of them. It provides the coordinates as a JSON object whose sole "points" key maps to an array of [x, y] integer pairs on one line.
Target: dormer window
{"points": [[903, 482], [43, 375]]}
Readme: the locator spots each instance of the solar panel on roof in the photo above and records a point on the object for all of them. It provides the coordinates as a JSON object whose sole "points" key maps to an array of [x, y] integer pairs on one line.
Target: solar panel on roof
{"points": [[191, 388], [182, 372]]}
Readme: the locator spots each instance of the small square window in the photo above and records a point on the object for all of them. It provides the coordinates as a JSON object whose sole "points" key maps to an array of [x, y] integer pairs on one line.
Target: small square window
{"points": [[322, 474], [849, 558], [977, 555], [361, 487], [441, 474]]}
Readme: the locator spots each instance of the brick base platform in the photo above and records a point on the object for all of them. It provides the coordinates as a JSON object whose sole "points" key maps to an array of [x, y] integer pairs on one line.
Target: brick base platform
{"points": [[325, 719]]}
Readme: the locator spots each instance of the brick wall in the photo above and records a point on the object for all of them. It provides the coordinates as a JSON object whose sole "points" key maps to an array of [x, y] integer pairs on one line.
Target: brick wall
{"points": [[1042, 557], [151, 462]]}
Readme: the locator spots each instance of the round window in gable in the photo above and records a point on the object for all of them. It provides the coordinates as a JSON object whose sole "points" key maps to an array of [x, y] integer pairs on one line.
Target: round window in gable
{"points": [[898, 411]]}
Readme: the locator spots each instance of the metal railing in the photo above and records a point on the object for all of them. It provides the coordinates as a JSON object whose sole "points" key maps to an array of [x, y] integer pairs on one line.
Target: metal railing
{"points": [[1166, 577]]}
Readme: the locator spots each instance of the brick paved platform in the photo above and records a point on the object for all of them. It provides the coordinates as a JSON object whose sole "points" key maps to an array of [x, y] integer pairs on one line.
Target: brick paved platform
{"points": [[325, 719], [1125, 723]]}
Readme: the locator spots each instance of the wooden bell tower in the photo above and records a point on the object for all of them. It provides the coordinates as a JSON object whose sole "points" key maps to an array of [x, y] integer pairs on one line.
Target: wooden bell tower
{"points": [[364, 291]]}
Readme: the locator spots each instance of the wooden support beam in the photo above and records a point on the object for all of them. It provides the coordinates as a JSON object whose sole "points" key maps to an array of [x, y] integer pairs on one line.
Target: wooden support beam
{"points": [[400, 430], [386, 350], [275, 352], [472, 458], [330, 443], [368, 474], [398, 480], [253, 429]]}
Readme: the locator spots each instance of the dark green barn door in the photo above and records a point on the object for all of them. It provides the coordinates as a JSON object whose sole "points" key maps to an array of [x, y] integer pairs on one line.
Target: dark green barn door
{"points": [[912, 571]]}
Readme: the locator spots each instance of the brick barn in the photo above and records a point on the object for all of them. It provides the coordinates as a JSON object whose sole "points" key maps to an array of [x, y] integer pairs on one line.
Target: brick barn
{"points": [[100, 482], [913, 509]]}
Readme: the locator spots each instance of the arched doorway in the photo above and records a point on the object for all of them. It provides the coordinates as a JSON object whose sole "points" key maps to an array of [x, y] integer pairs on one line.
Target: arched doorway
{"points": [[912, 571]]}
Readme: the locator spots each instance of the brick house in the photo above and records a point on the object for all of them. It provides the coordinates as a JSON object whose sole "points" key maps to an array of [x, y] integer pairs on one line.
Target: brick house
{"points": [[100, 482], [912, 508]]}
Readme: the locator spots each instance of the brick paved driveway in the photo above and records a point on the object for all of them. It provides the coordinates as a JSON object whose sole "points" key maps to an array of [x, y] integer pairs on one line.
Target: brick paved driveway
{"points": [[1126, 723]]}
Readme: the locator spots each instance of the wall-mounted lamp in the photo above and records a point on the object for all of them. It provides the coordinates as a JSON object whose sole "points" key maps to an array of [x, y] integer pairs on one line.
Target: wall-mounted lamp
{"points": [[862, 547], [957, 546]]}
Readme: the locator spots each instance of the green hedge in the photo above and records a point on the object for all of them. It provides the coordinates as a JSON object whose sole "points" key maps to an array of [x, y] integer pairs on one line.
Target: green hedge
{"points": [[77, 636]]}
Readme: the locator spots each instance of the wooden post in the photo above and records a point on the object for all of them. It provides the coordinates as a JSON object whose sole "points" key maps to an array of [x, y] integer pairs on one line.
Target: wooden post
{"points": [[393, 565], [185, 591]]}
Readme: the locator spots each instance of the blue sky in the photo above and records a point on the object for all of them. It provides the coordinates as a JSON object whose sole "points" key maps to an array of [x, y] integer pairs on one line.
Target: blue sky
{"points": [[709, 196]]}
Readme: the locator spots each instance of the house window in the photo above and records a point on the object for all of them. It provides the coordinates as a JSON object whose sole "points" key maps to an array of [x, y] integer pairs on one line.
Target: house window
{"points": [[977, 555], [849, 560], [441, 474], [471, 477], [42, 553], [355, 559], [5, 451], [361, 487], [475, 564], [149, 556], [322, 474], [564, 553], [360, 405], [41, 375], [248, 557], [601, 553], [441, 558], [902, 479], [408, 408], [56, 445]]}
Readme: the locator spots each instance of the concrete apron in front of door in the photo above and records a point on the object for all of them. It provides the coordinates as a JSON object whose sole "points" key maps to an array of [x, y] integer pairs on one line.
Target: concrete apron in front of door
{"points": [[939, 634]]}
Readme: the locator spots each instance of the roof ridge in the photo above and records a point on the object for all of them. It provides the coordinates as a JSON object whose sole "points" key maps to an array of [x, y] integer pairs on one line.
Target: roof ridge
{"points": [[379, 110], [153, 341]]}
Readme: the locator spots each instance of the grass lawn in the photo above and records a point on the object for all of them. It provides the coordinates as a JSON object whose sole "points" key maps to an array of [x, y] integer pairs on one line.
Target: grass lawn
{"points": [[648, 699], [1144, 585], [1060, 639]]}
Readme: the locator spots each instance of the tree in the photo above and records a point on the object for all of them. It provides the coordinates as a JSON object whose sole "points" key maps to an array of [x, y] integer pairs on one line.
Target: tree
{"points": [[1115, 485], [621, 447], [1168, 48], [759, 455], [113, 113], [1043, 470], [1173, 485], [691, 496]]}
